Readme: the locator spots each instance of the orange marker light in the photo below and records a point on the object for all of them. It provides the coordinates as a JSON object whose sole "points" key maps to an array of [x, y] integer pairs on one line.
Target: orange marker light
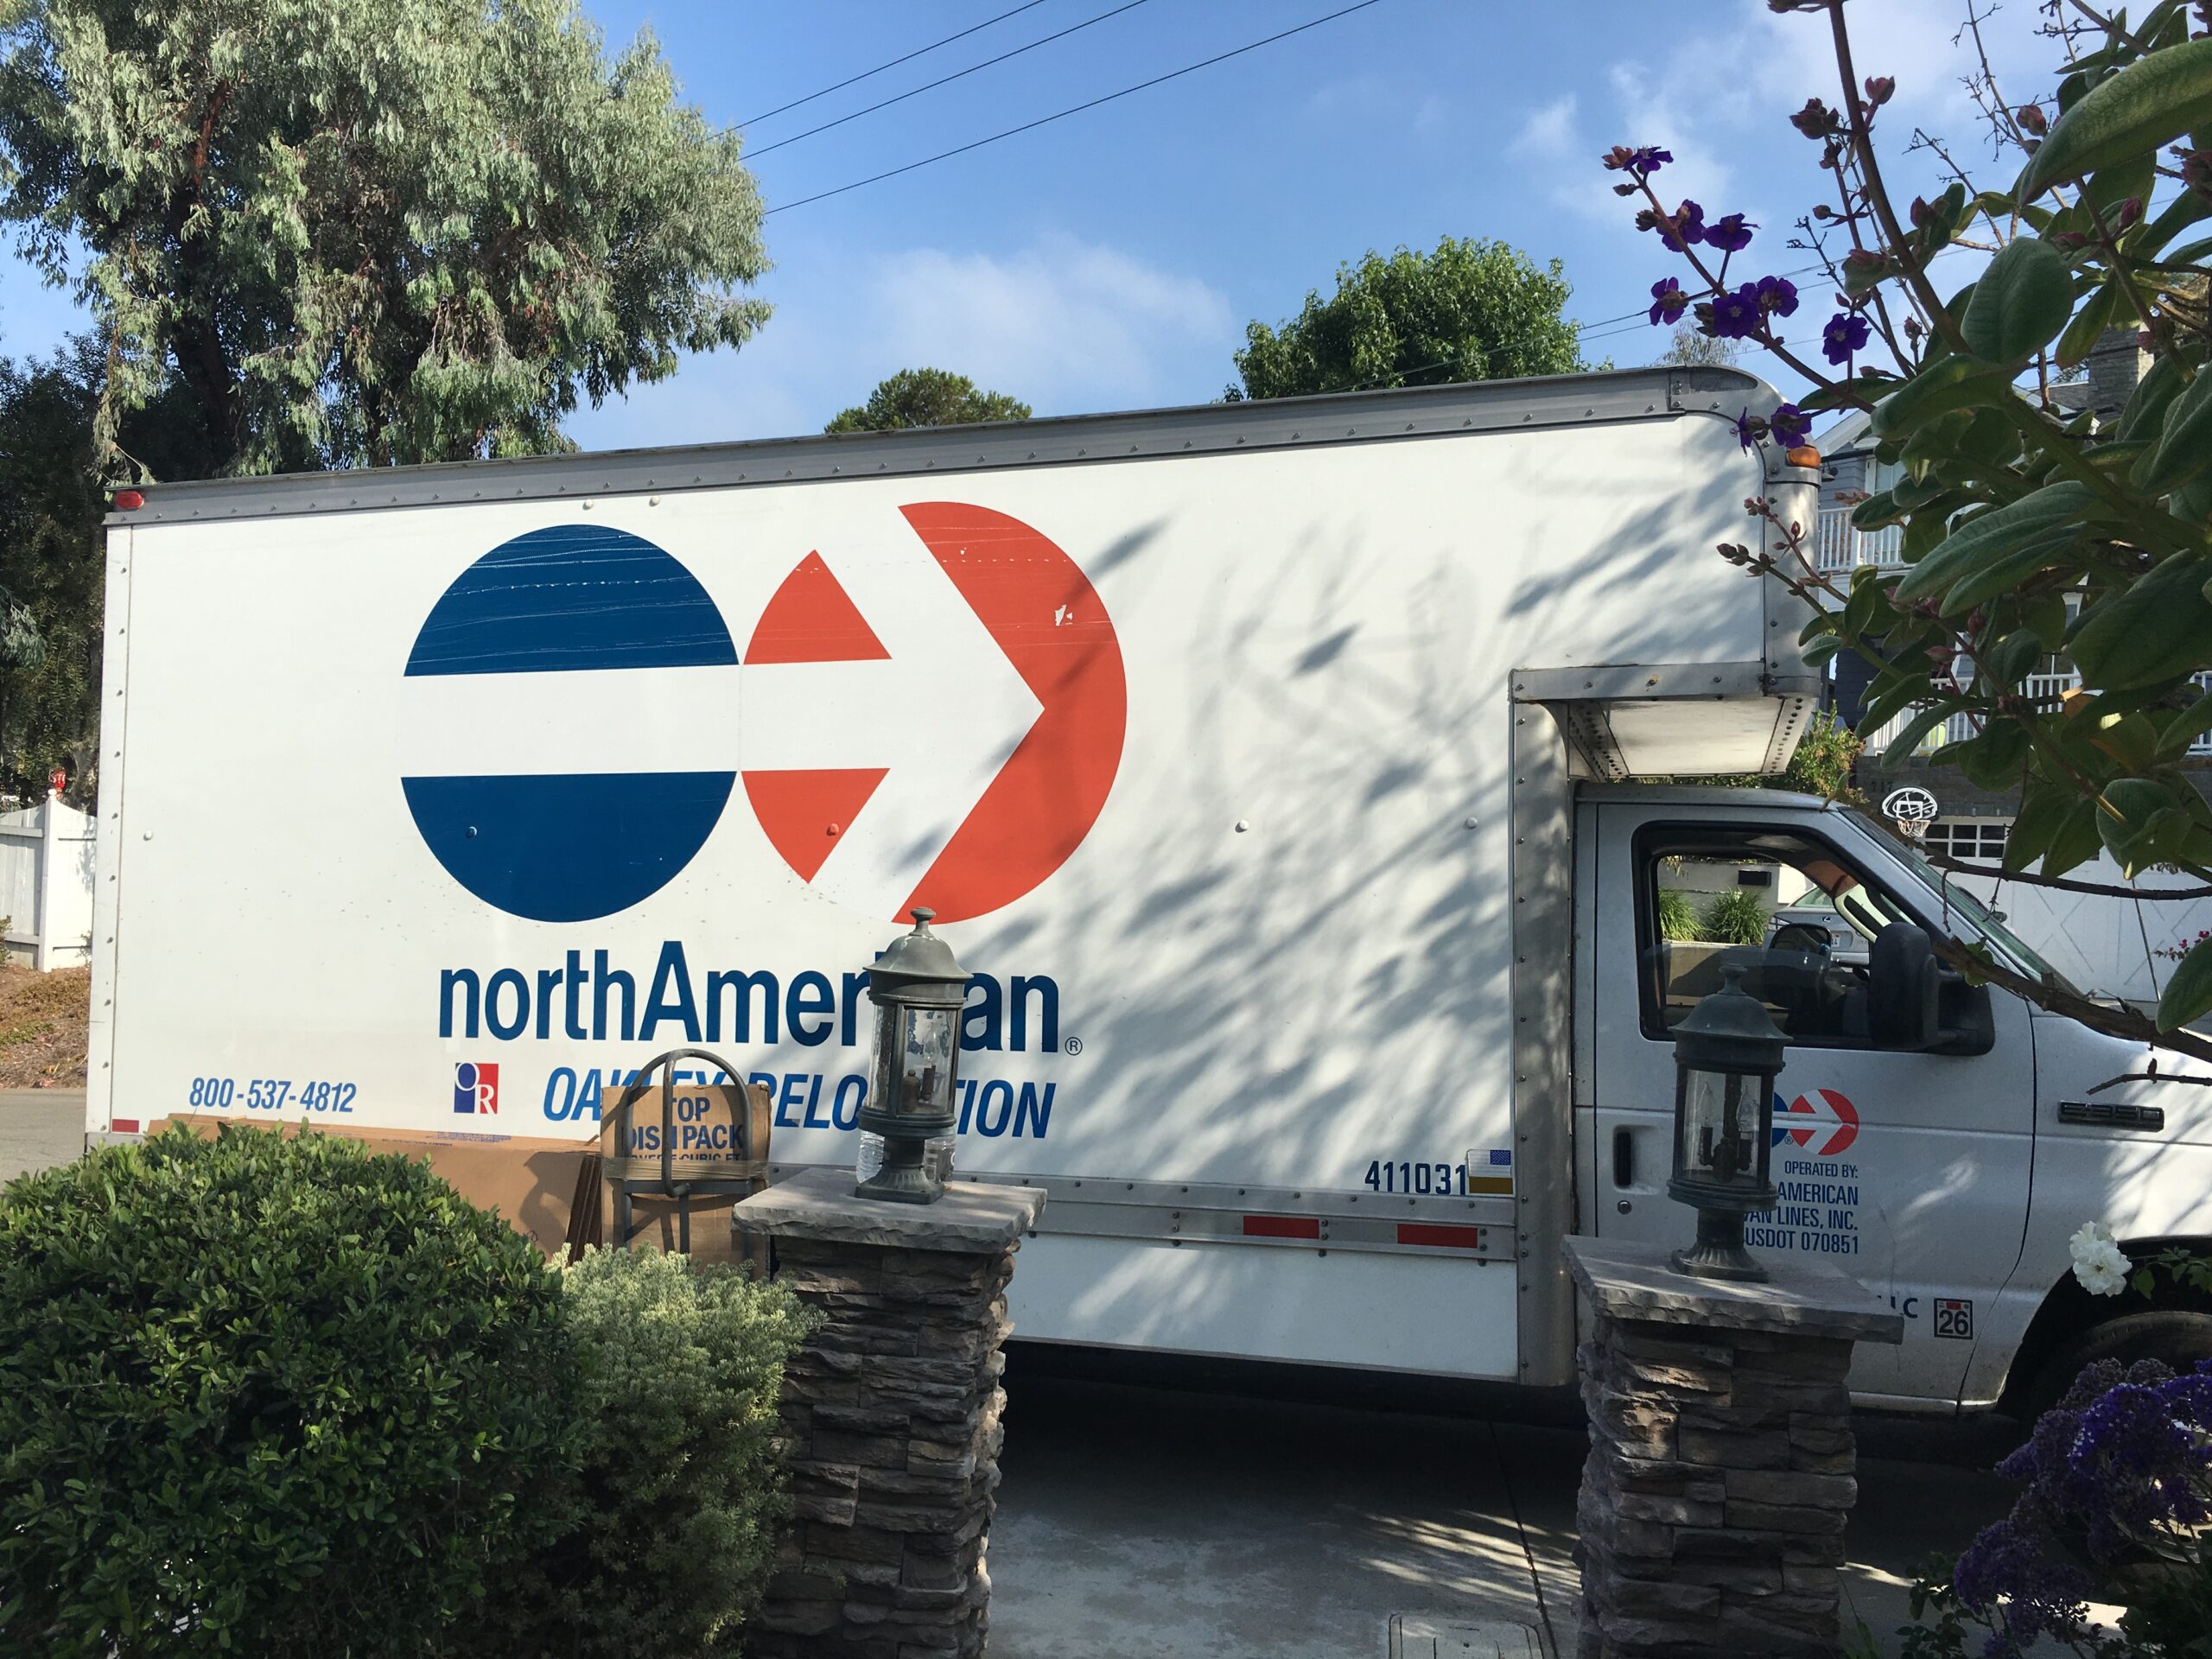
{"points": [[1803, 455]]}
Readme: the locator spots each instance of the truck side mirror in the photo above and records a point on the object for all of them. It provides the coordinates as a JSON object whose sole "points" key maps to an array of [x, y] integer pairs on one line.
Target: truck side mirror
{"points": [[1916, 1004], [1903, 989]]}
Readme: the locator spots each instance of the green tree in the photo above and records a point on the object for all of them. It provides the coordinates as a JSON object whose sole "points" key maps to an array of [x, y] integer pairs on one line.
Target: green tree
{"points": [[50, 575], [1473, 310], [927, 398], [331, 232], [1690, 349], [2028, 528]]}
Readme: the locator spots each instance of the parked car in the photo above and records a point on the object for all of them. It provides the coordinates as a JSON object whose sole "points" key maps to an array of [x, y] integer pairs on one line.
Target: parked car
{"points": [[1816, 927]]}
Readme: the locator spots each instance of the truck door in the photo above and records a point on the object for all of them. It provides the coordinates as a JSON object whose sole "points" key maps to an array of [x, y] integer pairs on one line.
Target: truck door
{"points": [[1907, 1170]]}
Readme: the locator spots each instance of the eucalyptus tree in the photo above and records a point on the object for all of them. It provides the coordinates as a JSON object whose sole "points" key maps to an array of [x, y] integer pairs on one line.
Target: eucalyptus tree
{"points": [[335, 233]]}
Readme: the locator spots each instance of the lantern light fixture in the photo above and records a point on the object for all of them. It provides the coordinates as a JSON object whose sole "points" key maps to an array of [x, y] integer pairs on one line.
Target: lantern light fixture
{"points": [[918, 987], [1726, 1055]]}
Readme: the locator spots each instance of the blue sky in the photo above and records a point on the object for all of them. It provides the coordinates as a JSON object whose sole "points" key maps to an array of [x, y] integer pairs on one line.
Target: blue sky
{"points": [[1111, 260]]}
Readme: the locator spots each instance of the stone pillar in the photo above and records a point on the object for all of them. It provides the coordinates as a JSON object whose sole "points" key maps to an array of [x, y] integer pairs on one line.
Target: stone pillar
{"points": [[890, 1413], [1721, 1469]]}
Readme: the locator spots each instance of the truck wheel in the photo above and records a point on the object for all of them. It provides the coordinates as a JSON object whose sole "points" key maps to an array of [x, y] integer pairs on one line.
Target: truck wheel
{"points": [[2179, 1337]]}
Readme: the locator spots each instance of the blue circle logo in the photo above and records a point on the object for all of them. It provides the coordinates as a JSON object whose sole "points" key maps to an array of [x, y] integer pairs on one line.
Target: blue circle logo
{"points": [[569, 846]]}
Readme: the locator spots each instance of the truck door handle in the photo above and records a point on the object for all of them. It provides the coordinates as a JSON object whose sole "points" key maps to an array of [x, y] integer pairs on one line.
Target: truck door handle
{"points": [[1623, 1157]]}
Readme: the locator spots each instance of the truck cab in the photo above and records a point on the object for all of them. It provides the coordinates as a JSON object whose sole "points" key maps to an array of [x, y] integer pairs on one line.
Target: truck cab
{"points": [[1938, 1140]]}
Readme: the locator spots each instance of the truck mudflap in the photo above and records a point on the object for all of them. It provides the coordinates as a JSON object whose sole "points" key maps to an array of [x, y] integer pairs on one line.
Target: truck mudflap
{"points": [[1266, 1217]]}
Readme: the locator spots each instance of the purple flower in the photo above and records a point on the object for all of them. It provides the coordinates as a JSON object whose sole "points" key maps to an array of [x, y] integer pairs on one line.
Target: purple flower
{"points": [[1844, 333], [1747, 429], [1777, 295], [1730, 235], [2122, 1463], [1683, 227], [1640, 162], [1737, 315], [1667, 301], [1790, 426]]}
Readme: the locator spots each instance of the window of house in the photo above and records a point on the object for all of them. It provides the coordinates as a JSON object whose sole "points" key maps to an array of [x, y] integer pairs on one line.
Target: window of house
{"points": [[1803, 936], [1978, 840]]}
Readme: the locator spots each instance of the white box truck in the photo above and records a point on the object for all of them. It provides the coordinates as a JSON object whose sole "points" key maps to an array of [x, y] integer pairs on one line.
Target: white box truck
{"points": [[1273, 766]]}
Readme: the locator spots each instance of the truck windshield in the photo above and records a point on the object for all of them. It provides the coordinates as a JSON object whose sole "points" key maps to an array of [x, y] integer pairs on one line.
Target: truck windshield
{"points": [[1980, 918]]}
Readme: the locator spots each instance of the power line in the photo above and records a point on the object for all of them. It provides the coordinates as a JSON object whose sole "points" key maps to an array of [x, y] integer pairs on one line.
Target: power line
{"points": [[1061, 115], [1127, 5], [919, 51]]}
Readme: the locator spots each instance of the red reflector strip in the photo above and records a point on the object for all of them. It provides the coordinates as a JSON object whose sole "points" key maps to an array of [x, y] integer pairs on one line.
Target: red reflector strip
{"points": [[123, 1125], [1451, 1238], [1282, 1227]]}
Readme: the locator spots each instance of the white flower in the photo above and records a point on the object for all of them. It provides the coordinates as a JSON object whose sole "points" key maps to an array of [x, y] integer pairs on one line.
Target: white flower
{"points": [[2099, 1263]]}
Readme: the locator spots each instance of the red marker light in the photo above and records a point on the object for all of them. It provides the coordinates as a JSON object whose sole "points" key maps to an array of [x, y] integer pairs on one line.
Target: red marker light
{"points": [[129, 500]]}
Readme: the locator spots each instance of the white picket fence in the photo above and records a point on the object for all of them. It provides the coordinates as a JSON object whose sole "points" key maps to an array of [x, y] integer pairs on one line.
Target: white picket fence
{"points": [[46, 884]]}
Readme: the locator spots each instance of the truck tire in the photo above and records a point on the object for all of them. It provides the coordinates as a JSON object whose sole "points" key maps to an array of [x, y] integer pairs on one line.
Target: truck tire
{"points": [[2180, 1336]]}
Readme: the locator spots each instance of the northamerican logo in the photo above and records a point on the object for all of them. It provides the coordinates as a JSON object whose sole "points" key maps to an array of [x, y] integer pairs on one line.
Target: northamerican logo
{"points": [[932, 715]]}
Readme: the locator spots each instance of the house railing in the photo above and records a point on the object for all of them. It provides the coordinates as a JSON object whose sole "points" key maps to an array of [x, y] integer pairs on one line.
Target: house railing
{"points": [[2044, 690], [1838, 545]]}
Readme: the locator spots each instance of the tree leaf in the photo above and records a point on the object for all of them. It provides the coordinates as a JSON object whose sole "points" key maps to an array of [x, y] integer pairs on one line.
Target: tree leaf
{"points": [[1877, 510], [2176, 217], [1880, 710], [2188, 994], [2089, 325], [2147, 405], [2014, 655], [2150, 103], [1993, 534], [2184, 728], [2006, 571], [2192, 503], [2158, 627], [2184, 446], [2046, 614], [2133, 812], [1993, 760], [2076, 841], [1951, 384], [1909, 735], [2043, 812], [2018, 304]]}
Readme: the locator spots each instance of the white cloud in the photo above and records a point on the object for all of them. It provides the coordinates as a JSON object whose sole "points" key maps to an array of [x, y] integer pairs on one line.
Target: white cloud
{"points": [[1062, 324], [1548, 134], [1067, 326]]}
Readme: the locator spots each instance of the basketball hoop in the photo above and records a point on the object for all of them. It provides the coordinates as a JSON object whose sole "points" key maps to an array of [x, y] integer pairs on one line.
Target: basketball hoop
{"points": [[1911, 809]]}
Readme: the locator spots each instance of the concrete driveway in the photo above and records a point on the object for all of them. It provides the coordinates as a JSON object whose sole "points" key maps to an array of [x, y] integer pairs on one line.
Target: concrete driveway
{"points": [[1179, 1508], [1171, 1518]]}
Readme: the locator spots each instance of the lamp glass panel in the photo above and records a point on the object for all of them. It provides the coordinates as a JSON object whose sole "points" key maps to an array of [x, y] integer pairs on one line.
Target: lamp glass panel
{"points": [[926, 1062], [1718, 1107]]}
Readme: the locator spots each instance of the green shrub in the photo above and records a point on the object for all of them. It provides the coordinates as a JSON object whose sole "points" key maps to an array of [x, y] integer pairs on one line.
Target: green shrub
{"points": [[680, 1370], [1735, 918], [268, 1396], [1677, 916]]}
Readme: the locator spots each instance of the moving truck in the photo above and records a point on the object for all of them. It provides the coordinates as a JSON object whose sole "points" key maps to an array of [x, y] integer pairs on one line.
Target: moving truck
{"points": [[1294, 776]]}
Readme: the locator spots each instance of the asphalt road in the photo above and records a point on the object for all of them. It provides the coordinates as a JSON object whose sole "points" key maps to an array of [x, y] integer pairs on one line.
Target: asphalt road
{"points": [[39, 1126], [1170, 1508]]}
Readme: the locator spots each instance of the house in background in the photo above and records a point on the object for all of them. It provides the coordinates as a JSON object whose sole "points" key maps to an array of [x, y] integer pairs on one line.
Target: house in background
{"points": [[1970, 823]]}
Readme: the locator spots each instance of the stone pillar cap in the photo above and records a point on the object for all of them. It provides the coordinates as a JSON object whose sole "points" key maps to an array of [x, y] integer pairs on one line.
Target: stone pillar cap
{"points": [[819, 1203], [1639, 1281]]}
